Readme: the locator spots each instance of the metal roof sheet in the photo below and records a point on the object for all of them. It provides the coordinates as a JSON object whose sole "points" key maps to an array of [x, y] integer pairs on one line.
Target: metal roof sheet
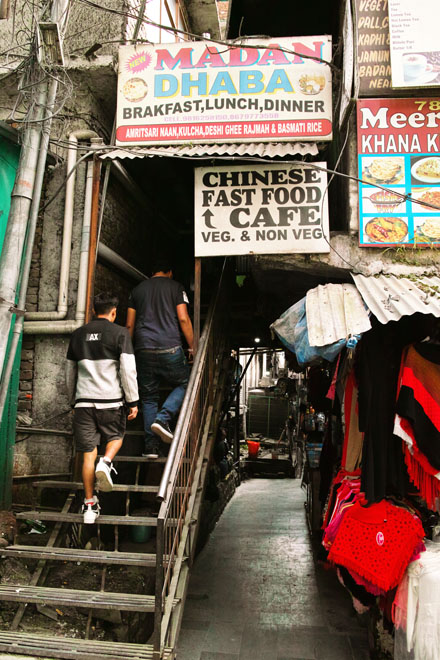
{"points": [[335, 311], [389, 297], [266, 149]]}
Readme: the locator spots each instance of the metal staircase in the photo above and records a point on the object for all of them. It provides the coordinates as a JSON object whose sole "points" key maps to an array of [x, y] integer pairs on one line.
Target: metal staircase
{"points": [[180, 495]]}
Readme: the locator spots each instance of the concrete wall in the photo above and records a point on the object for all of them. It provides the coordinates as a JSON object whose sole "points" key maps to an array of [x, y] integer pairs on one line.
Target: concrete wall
{"points": [[126, 230], [42, 390], [86, 100], [88, 26], [127, 227], [223, 12], [346, 255], [85, 27]]}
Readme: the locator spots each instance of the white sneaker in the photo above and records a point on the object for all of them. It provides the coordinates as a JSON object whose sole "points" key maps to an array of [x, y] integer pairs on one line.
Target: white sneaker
{"points": [[91, 511], [104, 480]]}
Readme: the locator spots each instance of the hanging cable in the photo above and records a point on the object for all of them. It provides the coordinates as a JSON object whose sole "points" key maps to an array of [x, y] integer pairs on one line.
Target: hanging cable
{"points": [[192, 35]]}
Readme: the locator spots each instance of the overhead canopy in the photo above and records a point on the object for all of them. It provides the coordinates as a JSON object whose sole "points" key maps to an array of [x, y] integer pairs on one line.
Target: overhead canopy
{"points": [[389, 297], [335, 311], [262, 149]]}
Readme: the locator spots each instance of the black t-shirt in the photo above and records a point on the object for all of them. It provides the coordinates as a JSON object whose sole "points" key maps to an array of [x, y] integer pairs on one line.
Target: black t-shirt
{"points": [[155, 301]]}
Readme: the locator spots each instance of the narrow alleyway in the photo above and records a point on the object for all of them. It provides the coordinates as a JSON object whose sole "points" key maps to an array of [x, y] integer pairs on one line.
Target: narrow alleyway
{"points": [[256, 593]]}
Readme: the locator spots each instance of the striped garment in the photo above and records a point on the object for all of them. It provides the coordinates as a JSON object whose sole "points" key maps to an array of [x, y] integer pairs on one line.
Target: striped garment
{"points": [[417, 420], [101, 369]]}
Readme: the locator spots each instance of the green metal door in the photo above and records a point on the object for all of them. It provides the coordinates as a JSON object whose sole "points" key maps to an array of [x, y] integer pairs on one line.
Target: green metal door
{"points": [[9, 156]]}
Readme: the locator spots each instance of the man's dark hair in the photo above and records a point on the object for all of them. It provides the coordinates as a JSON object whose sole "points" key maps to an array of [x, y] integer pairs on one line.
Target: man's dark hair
{"points": [[161, 263], [103, 303]]}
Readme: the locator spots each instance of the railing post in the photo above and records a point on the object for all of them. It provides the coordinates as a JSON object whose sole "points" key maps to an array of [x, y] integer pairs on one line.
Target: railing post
{"points": [[216, 352], [158, 601], [181, 466], [197, 300]]}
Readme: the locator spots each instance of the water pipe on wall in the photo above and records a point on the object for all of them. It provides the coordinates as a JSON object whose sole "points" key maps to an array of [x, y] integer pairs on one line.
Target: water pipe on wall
{"points": [[66, 249]]}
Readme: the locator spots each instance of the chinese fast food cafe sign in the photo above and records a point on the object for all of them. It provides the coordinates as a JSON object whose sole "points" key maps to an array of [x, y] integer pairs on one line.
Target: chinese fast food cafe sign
{"points": [[399, 150], [271, 208], [265, 90]]}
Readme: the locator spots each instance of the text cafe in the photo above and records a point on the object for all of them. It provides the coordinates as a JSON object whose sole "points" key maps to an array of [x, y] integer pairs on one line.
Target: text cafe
{"points": [[264, 208]]}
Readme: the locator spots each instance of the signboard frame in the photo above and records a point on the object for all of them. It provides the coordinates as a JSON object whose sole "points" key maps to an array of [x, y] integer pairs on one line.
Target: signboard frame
{"points": [[399, 169], [268, 90], [415, 53], [346, 103], [373, 63], [267, 208]]}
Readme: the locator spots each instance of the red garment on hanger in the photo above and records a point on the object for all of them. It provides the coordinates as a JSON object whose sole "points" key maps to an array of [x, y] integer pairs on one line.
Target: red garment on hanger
{"points": [[377, 542]]}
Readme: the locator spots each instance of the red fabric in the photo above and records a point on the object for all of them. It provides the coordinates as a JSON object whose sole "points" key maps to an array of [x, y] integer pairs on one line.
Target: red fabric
{"points": [[349, 387], [422, 476], [338, 479], [377, 542], [418, 419], [421, 472], [430, 406], [418, 399], [331, 394]]}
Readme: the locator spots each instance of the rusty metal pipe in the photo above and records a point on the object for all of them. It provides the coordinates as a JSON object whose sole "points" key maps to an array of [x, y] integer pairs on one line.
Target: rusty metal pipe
{"points": [[93, 243]]}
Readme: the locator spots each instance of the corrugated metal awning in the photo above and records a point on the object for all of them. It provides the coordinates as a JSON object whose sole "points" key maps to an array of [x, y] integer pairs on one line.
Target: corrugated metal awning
{"points": [[262, 149], [335, 311], [389, 297]]}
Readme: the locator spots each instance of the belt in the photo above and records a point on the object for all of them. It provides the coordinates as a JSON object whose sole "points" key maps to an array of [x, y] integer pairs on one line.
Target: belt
{"points": [[174, 349]]}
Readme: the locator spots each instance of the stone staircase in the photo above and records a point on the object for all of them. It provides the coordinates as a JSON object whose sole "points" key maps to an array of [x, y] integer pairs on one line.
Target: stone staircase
{"points": [[58, 549], [175, 515]]}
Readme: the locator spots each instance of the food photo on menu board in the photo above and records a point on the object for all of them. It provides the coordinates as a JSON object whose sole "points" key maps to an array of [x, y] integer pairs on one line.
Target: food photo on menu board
{"points": [[383, 211], [386, 230], [425, 191], [383, 170], [420, 68], [407, 211], [383, 201], [425, 169]]}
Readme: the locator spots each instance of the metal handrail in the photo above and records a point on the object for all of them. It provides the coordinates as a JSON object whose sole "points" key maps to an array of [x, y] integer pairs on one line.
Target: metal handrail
{"points": [[190, 394], [187, 405], [177, 480]]}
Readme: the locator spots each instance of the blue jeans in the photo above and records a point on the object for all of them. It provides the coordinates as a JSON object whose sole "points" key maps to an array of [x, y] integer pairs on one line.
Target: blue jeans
{"points": [[153, 368]]}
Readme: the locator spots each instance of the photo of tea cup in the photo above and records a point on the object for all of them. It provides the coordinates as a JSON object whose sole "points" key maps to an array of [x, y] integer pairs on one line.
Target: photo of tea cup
{"points": [[414, 66]]}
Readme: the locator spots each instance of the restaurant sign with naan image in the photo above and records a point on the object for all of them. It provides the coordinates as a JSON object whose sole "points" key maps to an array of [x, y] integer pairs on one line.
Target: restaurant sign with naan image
{"points": [[399, 172], [261, 90]]}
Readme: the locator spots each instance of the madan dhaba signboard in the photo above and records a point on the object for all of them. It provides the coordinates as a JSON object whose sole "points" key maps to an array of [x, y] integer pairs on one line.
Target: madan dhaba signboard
{"points": [[399, 151], [264, 90], [261, 209]]}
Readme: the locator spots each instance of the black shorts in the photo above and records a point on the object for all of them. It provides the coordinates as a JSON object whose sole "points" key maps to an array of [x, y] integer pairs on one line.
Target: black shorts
{"points": [[94, 426]]}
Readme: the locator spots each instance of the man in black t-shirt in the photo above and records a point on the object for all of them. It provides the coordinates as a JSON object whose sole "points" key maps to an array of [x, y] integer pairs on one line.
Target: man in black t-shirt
{"points": [[157, 311]]}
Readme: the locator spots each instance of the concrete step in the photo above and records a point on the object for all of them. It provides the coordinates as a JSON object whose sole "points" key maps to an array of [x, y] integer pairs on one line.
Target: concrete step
{"points": [[79, 555], [76, 485], [77, 598], [142, 459], [38, 646], [56, 516], [117, 488], [137, 459]]}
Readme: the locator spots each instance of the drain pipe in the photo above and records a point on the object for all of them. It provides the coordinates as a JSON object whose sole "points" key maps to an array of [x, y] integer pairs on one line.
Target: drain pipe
{"points": [[33, 217], [66, 249], [106, 254], [50, 326], [25, 202], [93, 239]]}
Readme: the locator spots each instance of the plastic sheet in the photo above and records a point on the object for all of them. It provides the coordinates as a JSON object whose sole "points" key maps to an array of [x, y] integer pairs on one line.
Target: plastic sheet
{"points": [[291, 328]]}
